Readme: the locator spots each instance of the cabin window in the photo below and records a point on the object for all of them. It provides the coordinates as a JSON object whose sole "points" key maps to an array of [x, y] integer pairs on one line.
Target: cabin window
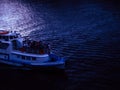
{"points": [[28, 58], [3, 45], [6, 38], [11, 37], [23, 57], [33, 58], [3, 37], [18, 56]]}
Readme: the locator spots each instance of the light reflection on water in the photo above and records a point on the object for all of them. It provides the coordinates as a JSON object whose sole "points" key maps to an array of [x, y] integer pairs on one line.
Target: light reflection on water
{"points": [[18, 17]]}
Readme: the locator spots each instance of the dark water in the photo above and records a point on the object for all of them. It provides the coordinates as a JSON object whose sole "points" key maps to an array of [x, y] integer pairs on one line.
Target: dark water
{"points": [[86, 33]]}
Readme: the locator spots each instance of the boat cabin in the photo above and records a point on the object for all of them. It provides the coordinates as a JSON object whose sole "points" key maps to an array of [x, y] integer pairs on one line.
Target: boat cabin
{"points": [[24, 45], [7, 36]]}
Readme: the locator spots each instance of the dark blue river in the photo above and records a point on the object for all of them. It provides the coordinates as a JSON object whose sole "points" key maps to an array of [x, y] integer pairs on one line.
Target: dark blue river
{"points": [[85, 32]]}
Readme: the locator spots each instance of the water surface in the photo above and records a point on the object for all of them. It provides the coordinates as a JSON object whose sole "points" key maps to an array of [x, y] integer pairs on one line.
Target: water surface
{"points": [[86, 33]]}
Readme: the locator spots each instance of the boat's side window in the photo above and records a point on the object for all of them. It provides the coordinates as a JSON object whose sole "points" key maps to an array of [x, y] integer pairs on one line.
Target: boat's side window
{"points": [[3, 37], [18, 56], [28, 58], [11, 37], [33, 58], [6, 38], [23, 57]]}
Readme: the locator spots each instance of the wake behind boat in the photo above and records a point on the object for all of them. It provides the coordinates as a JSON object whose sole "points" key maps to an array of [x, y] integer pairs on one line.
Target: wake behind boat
{"points": [[20, 51]]}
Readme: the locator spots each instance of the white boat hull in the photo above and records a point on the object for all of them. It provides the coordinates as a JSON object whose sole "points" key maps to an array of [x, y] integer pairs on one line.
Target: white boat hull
{"points": [[60, 64]]}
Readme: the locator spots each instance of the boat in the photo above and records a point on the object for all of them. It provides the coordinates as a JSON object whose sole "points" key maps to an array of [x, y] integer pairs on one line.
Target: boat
{"points": [[21, 51]]}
